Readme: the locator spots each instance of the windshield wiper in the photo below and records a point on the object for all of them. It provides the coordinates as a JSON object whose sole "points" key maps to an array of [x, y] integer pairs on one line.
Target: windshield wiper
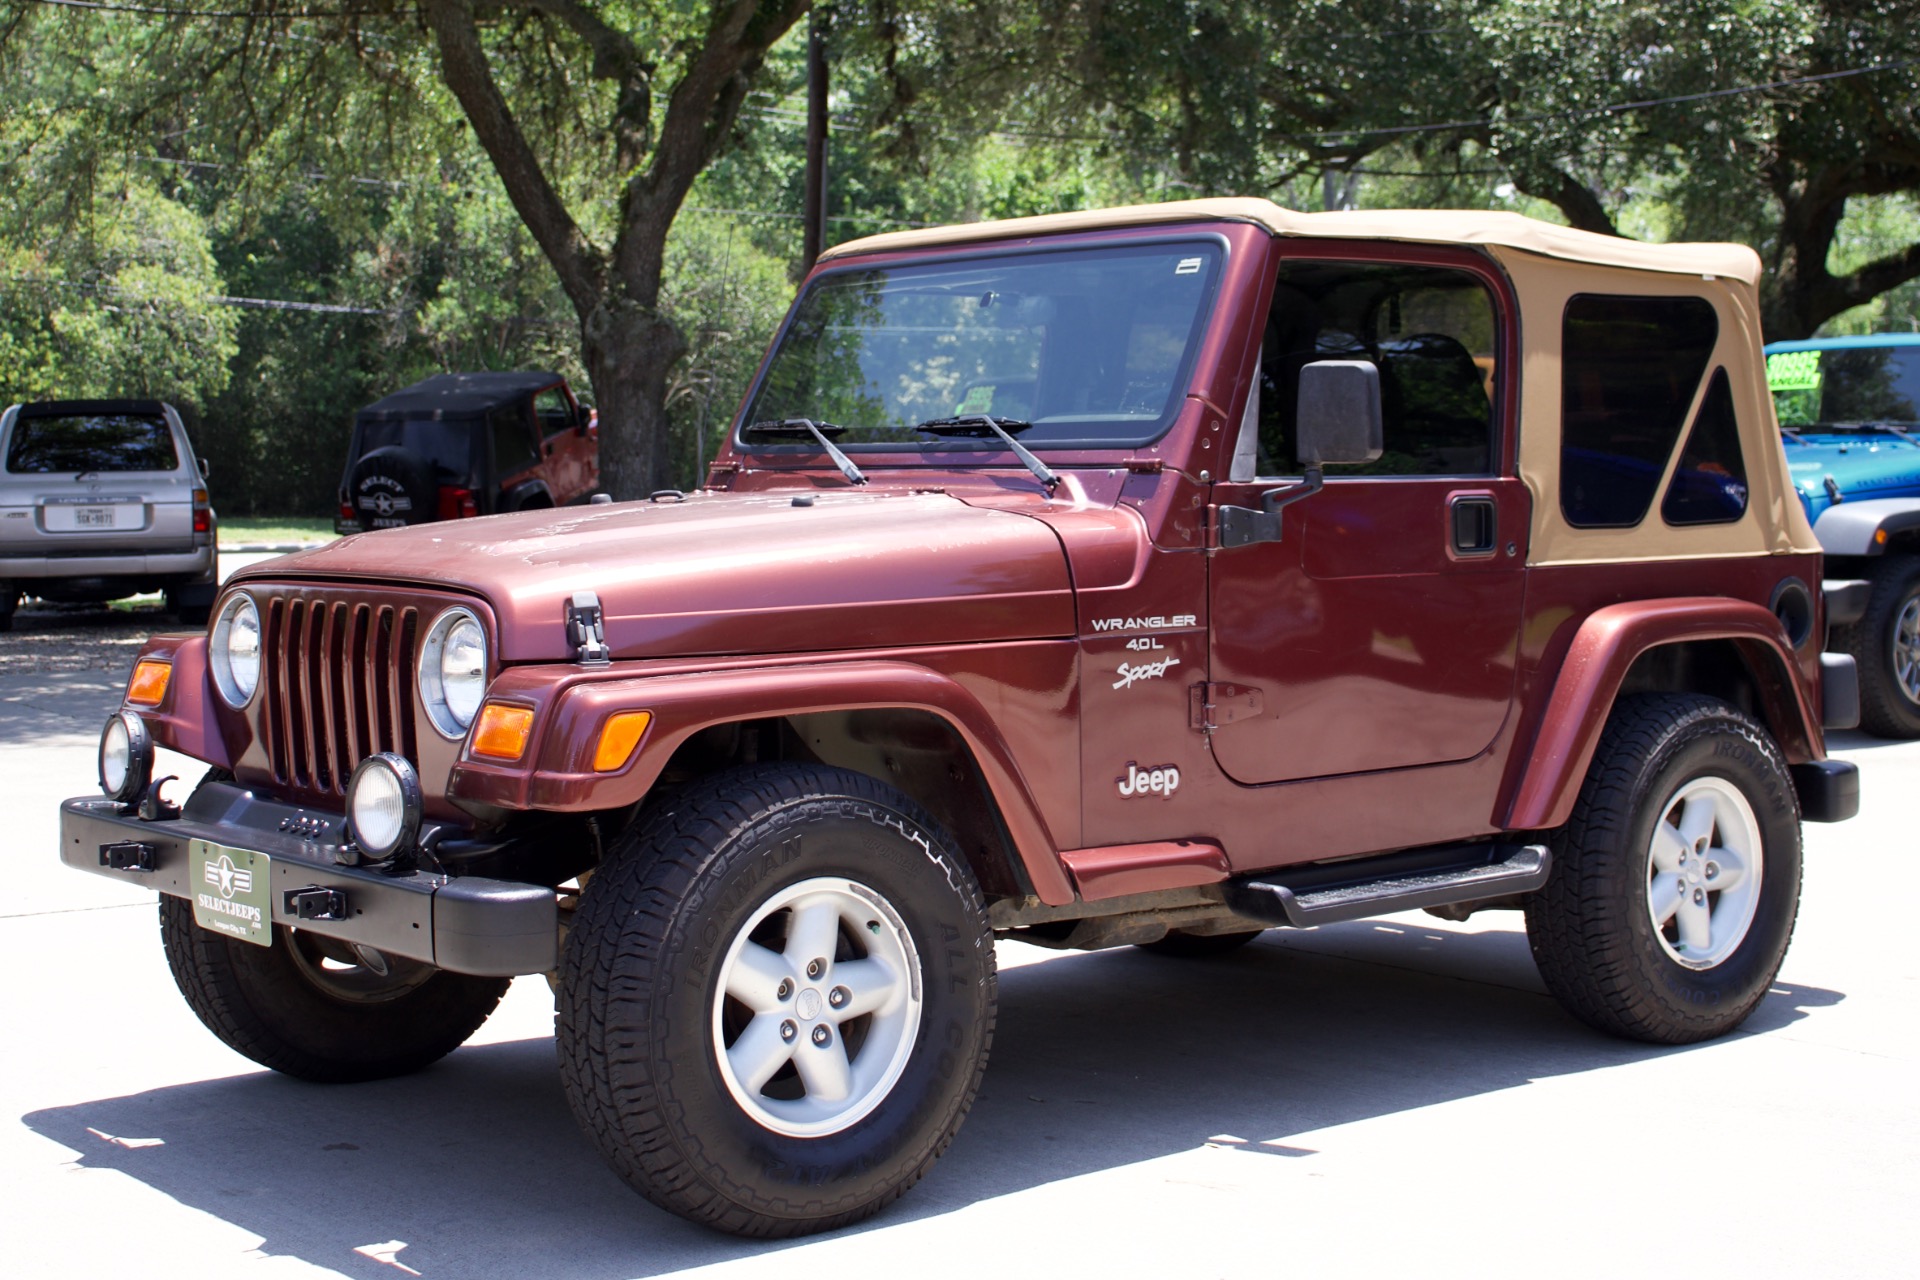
{"points": [[801, 429], [980, 425]]}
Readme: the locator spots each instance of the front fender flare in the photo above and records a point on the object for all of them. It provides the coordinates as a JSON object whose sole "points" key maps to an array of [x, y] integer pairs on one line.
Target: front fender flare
{"points": [[1849, 528], [1605, 649], [570, 710]]}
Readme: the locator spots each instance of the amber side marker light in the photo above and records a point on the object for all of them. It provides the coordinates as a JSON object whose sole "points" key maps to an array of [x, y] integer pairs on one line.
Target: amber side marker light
{"points": [[618, 739], [148, 685], [502, 731]]}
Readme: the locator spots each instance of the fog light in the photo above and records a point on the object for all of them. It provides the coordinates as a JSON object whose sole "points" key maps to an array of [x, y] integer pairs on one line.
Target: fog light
{"points": [[383, 805], [126, 757]]}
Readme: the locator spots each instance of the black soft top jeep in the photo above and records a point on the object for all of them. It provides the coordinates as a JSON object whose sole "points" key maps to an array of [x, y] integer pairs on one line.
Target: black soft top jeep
{"points": [[467, 444]]}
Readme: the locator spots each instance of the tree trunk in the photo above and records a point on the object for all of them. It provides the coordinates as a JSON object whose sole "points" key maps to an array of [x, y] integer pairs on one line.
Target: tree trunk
{"points": [[628, 350]]}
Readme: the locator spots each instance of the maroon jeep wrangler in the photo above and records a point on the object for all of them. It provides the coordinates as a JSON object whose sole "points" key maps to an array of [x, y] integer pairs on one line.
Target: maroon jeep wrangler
{"points": [[467, 444], [1149, 577]]}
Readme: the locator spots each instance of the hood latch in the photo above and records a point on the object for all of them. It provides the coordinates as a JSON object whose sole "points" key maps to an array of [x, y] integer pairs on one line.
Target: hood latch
{"points": [[586, 632]]}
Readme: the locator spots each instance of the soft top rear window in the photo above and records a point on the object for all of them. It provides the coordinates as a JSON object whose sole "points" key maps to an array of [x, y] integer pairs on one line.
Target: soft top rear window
{"points": [[445, 443], [91, 442]]}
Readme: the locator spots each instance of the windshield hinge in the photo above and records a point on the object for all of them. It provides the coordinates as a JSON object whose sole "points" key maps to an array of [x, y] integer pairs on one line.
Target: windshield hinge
{"points": [[1144, 466], [586, 633], [1212, 704]]}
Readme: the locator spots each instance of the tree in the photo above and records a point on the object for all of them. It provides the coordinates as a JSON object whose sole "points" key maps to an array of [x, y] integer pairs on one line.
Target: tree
{"points": [[1762, 121], [627, 343], [596, 115]]}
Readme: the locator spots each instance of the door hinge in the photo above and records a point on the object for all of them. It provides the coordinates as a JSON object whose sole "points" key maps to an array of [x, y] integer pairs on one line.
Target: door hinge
{"points": [[1212, 704]]}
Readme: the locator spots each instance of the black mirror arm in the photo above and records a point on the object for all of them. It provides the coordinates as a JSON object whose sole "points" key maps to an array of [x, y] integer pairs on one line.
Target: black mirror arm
{"points": [[1242, 526]]}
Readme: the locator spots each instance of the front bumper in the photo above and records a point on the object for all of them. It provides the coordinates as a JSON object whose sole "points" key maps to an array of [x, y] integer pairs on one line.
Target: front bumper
{"points": [[465, 924]]}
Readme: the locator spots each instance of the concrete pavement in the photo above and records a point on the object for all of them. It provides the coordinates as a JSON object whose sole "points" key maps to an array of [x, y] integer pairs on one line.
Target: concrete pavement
{"points": [[1385, 1096]]}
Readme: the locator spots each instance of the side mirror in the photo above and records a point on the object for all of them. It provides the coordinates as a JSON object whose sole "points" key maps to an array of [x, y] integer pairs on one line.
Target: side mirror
{"points": [[1338, 418], [205, 470], [583, 419]]}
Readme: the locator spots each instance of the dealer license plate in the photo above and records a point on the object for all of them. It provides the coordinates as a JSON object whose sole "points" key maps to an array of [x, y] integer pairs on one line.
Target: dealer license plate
{"points": [[232, 891]]}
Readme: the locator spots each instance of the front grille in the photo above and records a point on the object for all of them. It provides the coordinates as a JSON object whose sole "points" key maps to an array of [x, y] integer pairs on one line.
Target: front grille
{"points": [[338, 678]]}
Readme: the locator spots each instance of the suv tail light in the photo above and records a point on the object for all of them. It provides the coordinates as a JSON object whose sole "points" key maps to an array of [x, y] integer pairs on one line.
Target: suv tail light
{"points": [[346, 511], [202, 514], [457, 504]]}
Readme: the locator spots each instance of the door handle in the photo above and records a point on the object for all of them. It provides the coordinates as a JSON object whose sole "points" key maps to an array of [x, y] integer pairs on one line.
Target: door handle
{"points": [[1474, 524]]}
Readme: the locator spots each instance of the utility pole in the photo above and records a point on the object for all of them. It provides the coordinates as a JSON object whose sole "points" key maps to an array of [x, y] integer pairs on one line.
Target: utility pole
{"points": [[813, 237]]}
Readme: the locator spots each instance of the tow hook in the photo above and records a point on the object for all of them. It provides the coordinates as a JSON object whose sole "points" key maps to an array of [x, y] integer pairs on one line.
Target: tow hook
{"points": [[316, 903]]}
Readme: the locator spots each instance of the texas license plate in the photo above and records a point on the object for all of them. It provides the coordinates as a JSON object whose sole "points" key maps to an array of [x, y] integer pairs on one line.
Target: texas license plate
{"points": [[232, 891], [93, 517]]}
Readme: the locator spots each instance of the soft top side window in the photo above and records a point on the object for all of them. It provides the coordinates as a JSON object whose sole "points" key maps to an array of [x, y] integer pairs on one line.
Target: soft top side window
{"points": [[1432, 332], [553, 411], [1629, 368], [1710, 484], [513, 448]]}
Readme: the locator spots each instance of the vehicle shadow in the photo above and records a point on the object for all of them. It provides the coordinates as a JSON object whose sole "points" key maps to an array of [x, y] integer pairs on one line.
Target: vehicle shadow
{"points": [[1099, 1061]]}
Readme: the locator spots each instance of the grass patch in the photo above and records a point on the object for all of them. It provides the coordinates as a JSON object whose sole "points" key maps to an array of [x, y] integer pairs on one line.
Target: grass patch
{"points": [[278, 531]]}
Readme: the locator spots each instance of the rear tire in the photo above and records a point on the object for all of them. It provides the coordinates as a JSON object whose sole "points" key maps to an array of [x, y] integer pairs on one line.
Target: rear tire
{"points": [[1676, 882], [1885, 645], [776, 1000], [310, 1007]]}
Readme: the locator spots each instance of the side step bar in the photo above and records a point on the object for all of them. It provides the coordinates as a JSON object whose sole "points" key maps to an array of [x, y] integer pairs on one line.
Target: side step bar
{"points": [[1365, 887]]}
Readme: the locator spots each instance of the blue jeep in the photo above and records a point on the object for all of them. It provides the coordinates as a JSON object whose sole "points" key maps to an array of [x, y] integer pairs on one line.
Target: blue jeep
{"points": [[1850, 420]]}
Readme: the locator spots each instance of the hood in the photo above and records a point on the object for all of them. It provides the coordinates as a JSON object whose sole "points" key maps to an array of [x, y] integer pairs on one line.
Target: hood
{"points": [[726, 574], [1861, 464]]}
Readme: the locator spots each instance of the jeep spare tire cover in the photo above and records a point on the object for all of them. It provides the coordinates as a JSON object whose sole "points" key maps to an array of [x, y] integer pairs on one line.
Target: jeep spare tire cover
{"points": [[391, 487]]}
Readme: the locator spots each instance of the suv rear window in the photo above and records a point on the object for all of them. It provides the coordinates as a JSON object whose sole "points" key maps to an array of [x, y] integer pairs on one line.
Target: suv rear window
{"points": [[91, 442]]}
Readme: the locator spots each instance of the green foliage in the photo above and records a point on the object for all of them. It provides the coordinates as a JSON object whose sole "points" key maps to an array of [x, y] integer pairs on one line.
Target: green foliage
{"points": [[123, 306], [157, 165]]}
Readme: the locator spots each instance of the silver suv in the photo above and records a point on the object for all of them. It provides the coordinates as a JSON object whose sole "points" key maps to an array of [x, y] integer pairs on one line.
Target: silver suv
{"points": [[101, 499]]}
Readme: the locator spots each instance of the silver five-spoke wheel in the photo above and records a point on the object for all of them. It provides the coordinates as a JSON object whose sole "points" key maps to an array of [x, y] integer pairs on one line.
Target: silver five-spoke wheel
{"points": [[1906, 649], [1703, 872], [818, 1007]]}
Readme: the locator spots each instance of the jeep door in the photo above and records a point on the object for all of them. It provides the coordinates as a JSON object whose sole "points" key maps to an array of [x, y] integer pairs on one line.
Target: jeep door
{"points": [[570, 453], [1380, 631]]}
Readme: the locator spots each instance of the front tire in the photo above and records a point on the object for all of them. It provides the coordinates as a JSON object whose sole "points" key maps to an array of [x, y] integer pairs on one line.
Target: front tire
{"points": [[1885, 645], [1676, 882], [776, 1000], [315, 1008]]}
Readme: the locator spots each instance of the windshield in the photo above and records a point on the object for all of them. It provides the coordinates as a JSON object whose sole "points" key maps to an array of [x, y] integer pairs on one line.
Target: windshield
{"points": [[1845, 385], [1092, 346]]}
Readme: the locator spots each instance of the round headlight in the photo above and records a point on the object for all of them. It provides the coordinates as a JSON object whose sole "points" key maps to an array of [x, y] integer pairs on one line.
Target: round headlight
{"points": [[383, 805], [453, 671], [126, 757], [233, 653]]}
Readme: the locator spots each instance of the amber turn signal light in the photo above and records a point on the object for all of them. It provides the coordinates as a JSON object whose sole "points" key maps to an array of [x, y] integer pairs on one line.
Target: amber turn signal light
{"points": [[148, 686], [618, 739], [502, 731]]}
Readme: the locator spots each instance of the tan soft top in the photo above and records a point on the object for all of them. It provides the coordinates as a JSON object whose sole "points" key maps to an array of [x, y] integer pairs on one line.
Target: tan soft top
{"points": [[1419, 226]]}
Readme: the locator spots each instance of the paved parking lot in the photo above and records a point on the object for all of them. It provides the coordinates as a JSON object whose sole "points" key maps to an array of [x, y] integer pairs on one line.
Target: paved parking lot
{"points": [[1394, 1095]]}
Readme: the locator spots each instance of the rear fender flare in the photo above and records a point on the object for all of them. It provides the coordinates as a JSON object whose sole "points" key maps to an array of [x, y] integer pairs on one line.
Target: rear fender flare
{"points": [[569, 719], [1604, 650]]}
